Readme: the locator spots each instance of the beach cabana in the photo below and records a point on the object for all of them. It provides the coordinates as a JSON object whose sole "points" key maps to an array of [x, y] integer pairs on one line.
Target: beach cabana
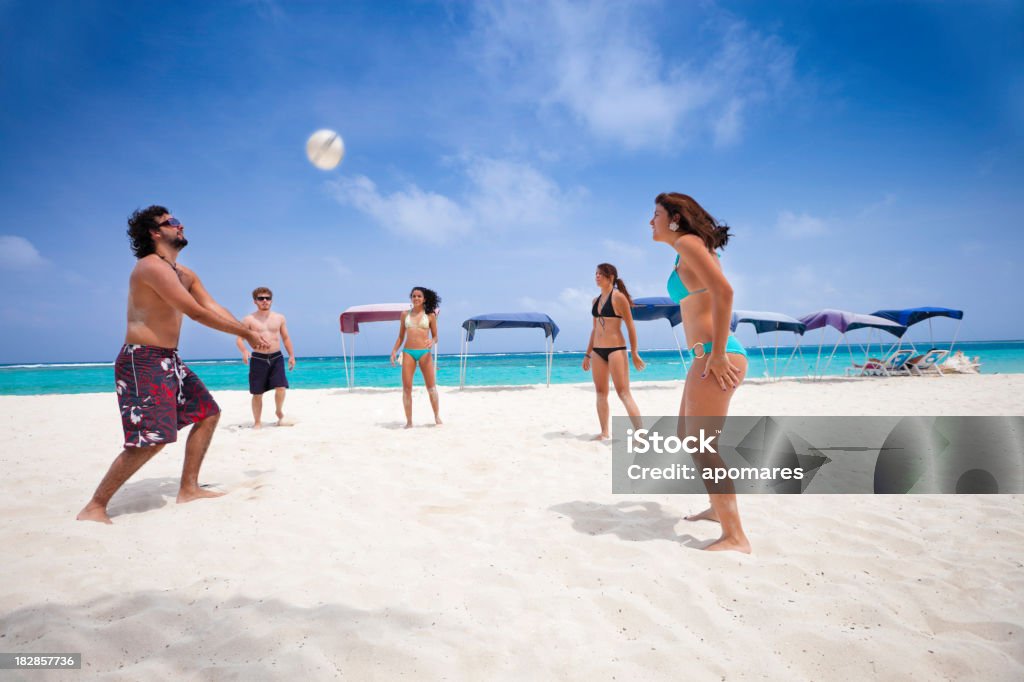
{"points": [[765, 322], [507, 321], [660, 308], [844, 322], [361, 314], [908, 317]]}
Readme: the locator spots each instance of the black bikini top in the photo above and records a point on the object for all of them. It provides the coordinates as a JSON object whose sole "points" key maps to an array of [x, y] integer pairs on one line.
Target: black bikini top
{"points": [[607, 310]]}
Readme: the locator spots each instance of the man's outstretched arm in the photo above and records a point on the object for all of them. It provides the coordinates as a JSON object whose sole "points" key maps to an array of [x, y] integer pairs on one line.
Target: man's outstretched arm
{"points": [[205, 299], [165, 283]]}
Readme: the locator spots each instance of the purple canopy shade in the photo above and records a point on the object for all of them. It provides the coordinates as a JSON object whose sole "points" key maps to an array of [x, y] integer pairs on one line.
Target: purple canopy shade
{"points": [[845, 321], [377, 312]]}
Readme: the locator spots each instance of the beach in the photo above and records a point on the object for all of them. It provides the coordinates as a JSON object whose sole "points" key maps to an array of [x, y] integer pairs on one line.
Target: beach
{"points": [[492, 548]]}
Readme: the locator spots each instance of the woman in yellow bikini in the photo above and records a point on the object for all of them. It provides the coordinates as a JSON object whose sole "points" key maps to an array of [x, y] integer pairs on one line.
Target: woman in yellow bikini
{"points": [[418, 331], [720, 361]]}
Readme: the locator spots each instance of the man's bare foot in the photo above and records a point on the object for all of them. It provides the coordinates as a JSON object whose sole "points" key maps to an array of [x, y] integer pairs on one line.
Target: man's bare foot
{"points": [[94, 512], [257, 426], [706, 515], [280, 417], [601, 436], [740, 544], [190, 494], [408, 425], [437, 421], [285, 422]]}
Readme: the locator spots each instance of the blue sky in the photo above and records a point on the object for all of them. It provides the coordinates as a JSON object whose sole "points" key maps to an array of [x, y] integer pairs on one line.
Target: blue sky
{"points": [[865, 154]]}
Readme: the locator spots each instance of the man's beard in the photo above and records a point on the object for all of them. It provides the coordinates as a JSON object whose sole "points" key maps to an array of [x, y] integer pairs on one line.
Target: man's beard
{"points": [[179, 243]]}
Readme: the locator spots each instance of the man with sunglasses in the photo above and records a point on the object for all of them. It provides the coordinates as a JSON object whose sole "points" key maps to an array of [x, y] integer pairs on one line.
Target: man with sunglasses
{"points": [[157, 393], [266, 369]]}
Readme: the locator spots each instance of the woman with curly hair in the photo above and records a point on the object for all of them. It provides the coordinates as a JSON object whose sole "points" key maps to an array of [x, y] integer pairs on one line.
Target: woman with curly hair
{"points": [[418, 331], [704, 295]]}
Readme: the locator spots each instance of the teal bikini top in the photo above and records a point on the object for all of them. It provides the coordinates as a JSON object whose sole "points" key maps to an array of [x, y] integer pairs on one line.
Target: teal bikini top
{"points": [[677, 291]]}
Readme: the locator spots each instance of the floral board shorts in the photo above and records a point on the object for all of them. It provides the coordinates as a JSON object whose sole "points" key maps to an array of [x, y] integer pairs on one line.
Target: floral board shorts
{"points": [[158, 395]]}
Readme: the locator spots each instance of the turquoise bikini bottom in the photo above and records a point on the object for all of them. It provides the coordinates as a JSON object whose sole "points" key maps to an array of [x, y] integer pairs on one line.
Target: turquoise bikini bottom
{"points": [[733, 345], [416, 353]]}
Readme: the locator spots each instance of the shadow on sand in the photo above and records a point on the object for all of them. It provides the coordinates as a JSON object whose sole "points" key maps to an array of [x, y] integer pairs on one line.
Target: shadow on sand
{"points": [[632, 521], [174, 635]]}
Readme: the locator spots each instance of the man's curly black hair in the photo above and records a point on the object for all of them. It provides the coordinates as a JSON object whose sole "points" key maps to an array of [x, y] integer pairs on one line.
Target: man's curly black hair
{"points": [[139, 225]]}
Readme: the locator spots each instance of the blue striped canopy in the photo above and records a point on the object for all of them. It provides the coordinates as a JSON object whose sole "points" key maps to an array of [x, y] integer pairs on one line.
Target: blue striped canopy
{"points": [[767, 322], [911, 316], [657, 308], [510, 321]]}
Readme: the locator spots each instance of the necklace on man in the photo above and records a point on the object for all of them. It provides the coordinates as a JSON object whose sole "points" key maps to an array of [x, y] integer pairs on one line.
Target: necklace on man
{"points": [[174, 266]]}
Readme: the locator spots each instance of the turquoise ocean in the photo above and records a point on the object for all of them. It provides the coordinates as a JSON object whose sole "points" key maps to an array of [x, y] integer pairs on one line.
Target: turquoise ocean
{"points": [[496, 369]]}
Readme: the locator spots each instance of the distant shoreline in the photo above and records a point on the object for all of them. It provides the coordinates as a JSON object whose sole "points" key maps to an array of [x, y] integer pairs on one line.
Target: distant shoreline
{"points": [[102, 363]]}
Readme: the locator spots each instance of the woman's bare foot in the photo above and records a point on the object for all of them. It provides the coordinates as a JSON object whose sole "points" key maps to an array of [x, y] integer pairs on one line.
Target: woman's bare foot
{"points": [[601, 436], [706, 515], [191, 494], [94, 512], [740, 544], [408, 425], [437, 421], [257, 426]]}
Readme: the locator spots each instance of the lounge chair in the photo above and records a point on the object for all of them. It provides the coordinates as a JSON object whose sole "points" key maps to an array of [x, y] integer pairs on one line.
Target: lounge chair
{"points": [[894, 364], [927, 363]]}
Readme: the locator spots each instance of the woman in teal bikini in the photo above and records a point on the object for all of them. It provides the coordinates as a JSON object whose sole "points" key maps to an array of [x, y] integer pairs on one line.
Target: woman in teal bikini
{"points": [[418, 330], [720, 361]]}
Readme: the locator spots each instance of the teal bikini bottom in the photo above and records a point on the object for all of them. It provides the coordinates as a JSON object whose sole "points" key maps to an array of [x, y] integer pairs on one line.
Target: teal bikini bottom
{"points": [[733, 345], [416, 353]]}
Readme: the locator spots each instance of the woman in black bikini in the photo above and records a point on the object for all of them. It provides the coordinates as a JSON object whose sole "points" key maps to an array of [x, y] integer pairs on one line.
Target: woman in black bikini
{"points": [[606, 352]]}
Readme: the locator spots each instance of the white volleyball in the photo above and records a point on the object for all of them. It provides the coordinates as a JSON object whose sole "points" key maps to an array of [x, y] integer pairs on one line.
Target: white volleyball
{"points": [[325, 149]]}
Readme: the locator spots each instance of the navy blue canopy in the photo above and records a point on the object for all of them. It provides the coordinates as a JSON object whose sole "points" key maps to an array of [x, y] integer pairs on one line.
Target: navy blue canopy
{"points": [[657, 308], [510, 321], [910, 316], [767, 322]]}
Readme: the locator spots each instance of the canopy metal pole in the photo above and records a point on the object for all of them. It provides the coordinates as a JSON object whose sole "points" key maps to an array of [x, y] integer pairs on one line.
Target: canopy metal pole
{"points": [[758, 337], [463, 350], [353, 360], [791, 356], [820, 345], [344, 357], [550, 343], [834, 349], [680, 349], [775, 361], [955, 334], [931, 337]]}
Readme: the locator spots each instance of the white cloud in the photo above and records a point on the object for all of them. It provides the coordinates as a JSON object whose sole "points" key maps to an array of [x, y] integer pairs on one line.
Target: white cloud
{"points": [[413, 212], [500, 195], [337, 267], [17, 253], [570, 301], [617, 248], [601, 62], [796, 226], [871, 209]]}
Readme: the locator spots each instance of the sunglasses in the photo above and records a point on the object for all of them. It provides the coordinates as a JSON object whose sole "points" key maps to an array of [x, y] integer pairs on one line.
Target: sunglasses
{"points": [[170, 222], [263, 298]]}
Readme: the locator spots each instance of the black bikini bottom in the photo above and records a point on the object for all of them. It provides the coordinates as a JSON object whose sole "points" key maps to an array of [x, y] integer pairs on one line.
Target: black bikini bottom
{"points": [[605, 352]]}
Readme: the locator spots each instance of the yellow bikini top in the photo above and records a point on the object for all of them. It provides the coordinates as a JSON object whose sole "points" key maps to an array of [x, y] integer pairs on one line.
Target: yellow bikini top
{"points": [[424, 321]]}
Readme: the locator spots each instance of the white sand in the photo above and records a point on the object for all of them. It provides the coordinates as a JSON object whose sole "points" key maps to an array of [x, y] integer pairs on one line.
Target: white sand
{"points": [[492, 548]]}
